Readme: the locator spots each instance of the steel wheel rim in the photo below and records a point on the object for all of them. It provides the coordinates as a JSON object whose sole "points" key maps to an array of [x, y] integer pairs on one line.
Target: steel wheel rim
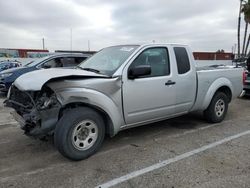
{"points": [[220, 107], [84, 135]]}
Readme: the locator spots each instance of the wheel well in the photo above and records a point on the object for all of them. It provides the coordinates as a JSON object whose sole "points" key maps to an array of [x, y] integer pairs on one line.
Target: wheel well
{"points": [[107, 120], [227, 91]]}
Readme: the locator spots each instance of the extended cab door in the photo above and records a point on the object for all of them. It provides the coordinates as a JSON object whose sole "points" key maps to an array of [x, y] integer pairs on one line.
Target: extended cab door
{"points": [[149, 97], [186, 83]]}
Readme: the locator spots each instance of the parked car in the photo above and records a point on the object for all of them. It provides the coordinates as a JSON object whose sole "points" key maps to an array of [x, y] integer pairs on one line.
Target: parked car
{"points": [[118, 88], [246, 81], [7, 77], [4, 65]]}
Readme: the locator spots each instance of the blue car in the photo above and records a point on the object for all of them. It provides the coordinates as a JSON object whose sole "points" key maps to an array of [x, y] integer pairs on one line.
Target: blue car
{"points": [[7, 77], [4, 65]]}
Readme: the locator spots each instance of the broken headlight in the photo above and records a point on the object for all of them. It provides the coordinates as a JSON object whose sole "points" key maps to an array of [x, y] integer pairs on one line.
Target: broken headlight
{"points": [[46, 99], [46, 102]]}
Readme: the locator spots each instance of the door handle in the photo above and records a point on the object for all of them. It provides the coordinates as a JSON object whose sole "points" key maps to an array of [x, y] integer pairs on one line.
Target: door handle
{"points": [[170, 82]]}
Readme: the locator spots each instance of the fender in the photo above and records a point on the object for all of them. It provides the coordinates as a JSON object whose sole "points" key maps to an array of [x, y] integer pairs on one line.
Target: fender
{"points": [[94, 98], [220, 82]]}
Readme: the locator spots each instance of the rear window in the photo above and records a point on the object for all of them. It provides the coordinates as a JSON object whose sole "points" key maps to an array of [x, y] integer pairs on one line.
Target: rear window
{"points": [[182, 60]]}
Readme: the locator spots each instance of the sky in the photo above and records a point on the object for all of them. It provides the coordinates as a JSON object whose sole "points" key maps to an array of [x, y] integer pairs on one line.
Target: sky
{"points": [[205, 25]]}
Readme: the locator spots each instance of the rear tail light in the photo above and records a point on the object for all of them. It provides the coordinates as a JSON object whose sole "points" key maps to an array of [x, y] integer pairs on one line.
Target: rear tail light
{"points": [[244, 77]]}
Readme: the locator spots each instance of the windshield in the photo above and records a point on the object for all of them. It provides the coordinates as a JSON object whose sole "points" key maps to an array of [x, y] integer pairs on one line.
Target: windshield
{"points": [[108, 60], [37, 61]]}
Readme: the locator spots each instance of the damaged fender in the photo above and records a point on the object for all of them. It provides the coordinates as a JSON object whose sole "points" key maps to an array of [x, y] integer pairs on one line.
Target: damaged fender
{"points": [[94, 98]]}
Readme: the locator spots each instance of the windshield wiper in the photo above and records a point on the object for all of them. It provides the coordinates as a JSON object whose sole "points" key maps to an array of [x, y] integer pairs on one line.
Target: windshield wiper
{"points": [[89, 69], [92, 70]]}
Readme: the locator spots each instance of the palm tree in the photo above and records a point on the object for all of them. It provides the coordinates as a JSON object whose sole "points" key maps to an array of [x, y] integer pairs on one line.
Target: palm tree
{"points": [[248, 41], [239, 21], [246, 11], [244, 40]]}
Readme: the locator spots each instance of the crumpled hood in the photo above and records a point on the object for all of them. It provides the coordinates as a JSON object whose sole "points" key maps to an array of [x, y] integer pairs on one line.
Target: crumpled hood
{"points": [[33, 81]]}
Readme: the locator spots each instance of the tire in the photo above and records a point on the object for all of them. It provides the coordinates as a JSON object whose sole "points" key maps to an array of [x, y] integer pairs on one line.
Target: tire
{"points": [[217, 108], [79, 133]]}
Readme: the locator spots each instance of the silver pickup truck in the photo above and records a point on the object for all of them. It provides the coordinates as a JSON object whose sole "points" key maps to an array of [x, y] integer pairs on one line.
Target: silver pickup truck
{"points": [[118, 88]]}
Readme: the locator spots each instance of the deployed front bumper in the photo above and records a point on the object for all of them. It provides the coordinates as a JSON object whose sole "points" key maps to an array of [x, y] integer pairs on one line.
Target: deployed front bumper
{"points": [[19, 119], [37, 123], [34, 122]]}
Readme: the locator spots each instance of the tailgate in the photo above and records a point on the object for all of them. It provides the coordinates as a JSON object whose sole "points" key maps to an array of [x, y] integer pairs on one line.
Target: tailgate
{"points": [[247, 81]]}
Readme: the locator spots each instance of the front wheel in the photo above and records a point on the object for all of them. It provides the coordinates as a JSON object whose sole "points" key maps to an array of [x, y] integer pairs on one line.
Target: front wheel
{"points": [[217, 108], [79, 133]]}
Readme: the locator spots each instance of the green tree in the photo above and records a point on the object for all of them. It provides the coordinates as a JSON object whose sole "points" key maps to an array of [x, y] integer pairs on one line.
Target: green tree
{"points": [[239, 22], [245, 9]]}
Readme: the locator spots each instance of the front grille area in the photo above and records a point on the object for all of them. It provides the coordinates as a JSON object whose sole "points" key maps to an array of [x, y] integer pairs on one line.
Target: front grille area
{"points": [[20, 100]]}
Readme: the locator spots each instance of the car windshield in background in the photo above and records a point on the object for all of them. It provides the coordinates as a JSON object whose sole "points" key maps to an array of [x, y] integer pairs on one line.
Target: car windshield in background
{"points": [[108, 60], [36, 62]]}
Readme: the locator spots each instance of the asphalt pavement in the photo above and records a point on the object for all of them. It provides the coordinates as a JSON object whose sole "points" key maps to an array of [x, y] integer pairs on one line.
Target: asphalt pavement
{"points": [[181, 152]]}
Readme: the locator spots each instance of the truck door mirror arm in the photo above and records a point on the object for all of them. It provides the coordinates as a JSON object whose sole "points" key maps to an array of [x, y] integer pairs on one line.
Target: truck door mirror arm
{"points": [[138, 71]]}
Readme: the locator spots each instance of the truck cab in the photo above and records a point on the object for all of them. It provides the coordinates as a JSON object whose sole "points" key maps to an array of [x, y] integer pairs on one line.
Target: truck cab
{"points": [[172, 73]]}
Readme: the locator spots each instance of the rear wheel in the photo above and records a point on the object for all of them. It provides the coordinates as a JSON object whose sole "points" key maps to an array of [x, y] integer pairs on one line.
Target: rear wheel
{"points": [[79, 133], [217, 108]]}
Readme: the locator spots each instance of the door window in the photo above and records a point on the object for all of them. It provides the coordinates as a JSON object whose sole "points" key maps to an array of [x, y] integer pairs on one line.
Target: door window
{"points": [[53, 63], [78, 60], [182, 60], [157, 58], [72, 61], [68, 61]]}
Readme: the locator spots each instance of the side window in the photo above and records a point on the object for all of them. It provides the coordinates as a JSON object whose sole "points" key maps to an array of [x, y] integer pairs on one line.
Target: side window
{"points": [[183, 64], [68, 61], [78, 60], [158, 60], [72, 61], [53, 63]]}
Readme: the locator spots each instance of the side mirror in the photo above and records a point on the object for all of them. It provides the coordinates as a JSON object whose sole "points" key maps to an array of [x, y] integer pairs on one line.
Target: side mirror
{"points": [[46, 66], [138, 71]]}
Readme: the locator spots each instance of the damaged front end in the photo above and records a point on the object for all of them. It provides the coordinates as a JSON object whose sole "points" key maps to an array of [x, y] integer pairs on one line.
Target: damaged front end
{"points": [[36, 111]]}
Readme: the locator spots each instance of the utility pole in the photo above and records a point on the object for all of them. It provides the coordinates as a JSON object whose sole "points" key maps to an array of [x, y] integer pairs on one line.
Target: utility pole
{"points": [[88, 45], [43, 43], [235, 48], [71, 39]]}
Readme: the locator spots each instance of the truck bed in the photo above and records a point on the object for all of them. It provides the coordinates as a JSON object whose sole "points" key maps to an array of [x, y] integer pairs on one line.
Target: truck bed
{"points": [[215, 67], [210, 78]]}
